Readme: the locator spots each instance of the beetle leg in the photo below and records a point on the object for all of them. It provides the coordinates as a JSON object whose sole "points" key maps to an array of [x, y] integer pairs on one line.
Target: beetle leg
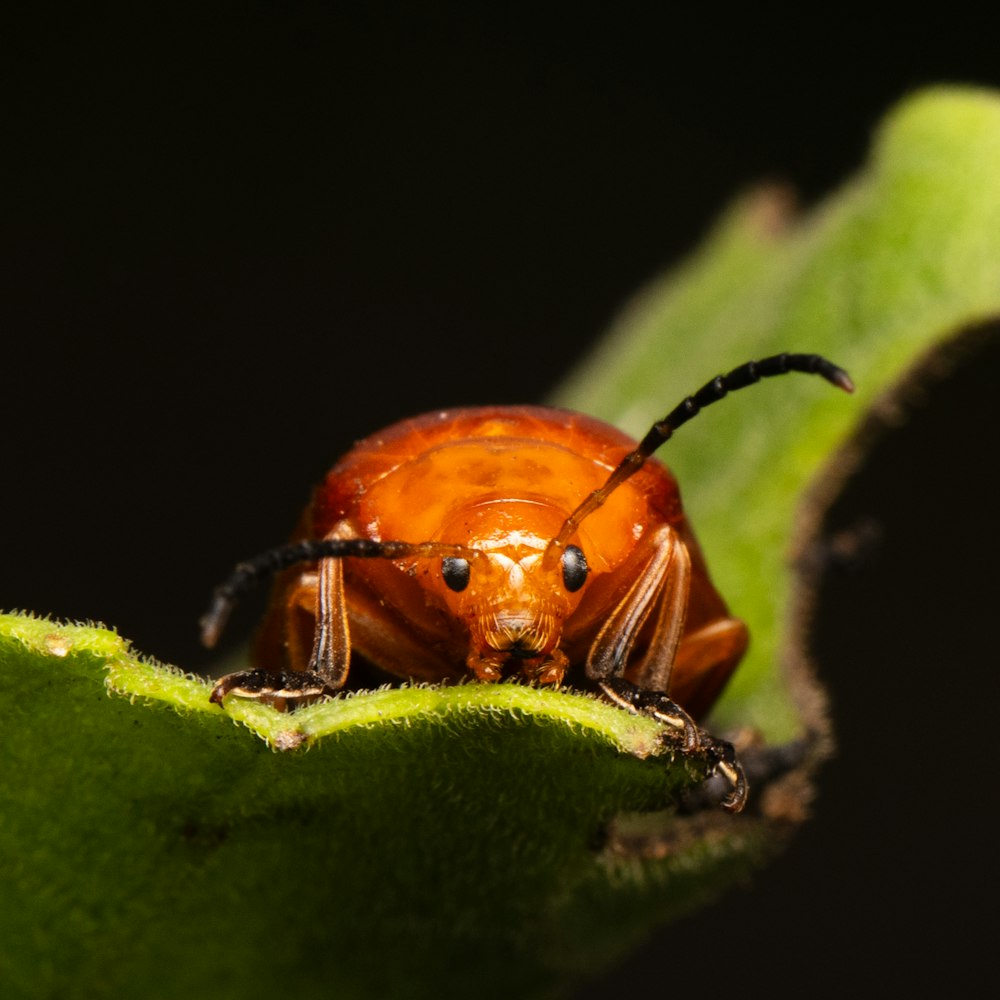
{"points": [[654, 671], [639, 701], [666, 578], [719, 754], [331, 650], [281, 691], [723, 759]]}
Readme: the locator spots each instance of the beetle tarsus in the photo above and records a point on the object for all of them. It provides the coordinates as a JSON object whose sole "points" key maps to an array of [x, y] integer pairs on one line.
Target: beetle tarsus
{"points": [[721, 755], [725, 762], [638, 701], [285, 690]]}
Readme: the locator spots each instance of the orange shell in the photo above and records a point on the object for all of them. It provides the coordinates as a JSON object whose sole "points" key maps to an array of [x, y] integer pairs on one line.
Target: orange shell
{"points": [[490, 477]]}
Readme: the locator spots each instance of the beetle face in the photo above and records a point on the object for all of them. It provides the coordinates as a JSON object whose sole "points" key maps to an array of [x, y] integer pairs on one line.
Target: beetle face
{"points": [[510, 597]]}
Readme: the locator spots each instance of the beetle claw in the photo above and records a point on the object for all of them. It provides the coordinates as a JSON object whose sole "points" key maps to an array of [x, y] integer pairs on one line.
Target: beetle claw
{"points": [[726, 763]]}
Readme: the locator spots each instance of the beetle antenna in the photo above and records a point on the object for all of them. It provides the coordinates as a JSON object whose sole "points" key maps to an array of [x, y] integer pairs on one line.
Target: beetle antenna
{"points": [[247, 574], [710, 392]]}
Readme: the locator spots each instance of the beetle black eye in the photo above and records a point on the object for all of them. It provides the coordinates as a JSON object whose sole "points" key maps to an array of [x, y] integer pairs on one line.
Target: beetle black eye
{"points": [[574, 567], [455, 571]]}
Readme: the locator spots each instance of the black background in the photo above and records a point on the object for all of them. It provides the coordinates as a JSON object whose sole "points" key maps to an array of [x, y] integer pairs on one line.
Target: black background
{"points": [[235, 241]]}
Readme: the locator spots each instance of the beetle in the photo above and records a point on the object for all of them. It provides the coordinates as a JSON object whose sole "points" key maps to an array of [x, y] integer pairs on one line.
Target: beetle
{"points": [[506, 542]]}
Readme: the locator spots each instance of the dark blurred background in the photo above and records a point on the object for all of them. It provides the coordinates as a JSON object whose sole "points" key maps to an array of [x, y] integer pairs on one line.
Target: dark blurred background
{"points": [[234, 241]]}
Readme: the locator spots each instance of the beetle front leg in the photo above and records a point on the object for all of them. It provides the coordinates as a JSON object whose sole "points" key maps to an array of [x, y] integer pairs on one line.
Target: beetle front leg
{"points": [[720, 754], [331, 650], [655, 704], [282, 690], [723, 760], [666, 583]]}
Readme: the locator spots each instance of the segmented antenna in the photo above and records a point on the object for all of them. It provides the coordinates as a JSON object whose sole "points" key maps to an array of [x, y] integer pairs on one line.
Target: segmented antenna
{"points": [[663, 430], [247, 574]]}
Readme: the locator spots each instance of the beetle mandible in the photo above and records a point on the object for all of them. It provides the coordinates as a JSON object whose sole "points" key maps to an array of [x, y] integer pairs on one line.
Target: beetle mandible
{"points": [[538, 541]]}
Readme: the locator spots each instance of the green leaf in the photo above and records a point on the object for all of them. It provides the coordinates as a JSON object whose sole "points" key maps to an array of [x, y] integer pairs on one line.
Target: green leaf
{"points": [[496, 839], [427, 832], [903, 257]]}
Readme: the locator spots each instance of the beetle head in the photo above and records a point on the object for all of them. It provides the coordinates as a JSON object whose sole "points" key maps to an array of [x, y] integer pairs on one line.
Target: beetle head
{"points": [[510, 598]]}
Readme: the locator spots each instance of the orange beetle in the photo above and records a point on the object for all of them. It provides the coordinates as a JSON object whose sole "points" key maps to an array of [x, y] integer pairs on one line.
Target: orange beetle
{"points": [[540, 541]]}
